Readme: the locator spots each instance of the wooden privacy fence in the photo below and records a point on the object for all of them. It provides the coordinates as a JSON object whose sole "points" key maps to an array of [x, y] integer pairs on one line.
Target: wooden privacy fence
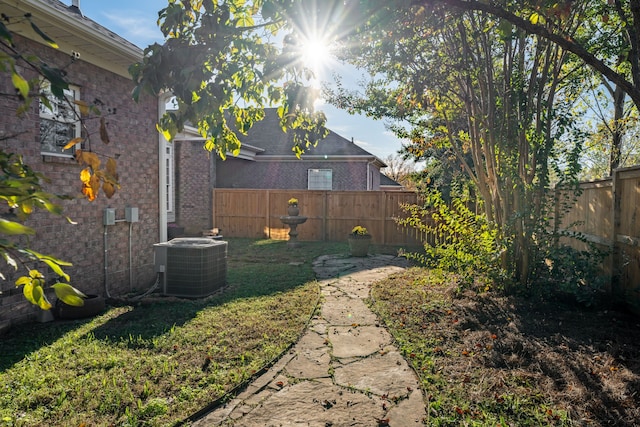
{"points": [[330, 214], [607, 213]]}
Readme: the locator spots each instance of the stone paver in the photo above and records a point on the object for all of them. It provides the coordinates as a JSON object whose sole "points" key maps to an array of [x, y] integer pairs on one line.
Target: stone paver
{"points": [[344, 371]]}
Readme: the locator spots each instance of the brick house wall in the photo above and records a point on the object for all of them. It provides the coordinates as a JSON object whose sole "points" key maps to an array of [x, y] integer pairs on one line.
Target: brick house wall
{"points": [[290, 174], [134, 142], [193, 184]]}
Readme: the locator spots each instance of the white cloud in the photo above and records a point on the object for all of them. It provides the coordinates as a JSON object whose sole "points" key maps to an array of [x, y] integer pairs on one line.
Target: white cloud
{"points": [[133, 25]]}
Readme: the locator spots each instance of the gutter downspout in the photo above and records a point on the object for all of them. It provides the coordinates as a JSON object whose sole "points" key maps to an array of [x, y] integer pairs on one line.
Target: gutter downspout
{"points": [[369, 175]]}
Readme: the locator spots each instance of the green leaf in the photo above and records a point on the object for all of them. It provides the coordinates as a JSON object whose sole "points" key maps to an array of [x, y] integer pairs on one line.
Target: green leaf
{"points": [[245, 21], [23, 280], [34, 293], [13, 228], [135, 94], [68, 294], [44, 36], [42, 257], [55, 76], [56, 268], [5, 33]]}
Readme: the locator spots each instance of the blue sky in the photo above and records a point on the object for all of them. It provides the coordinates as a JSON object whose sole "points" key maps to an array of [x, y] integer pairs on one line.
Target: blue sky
{"points": [[135, 20]]}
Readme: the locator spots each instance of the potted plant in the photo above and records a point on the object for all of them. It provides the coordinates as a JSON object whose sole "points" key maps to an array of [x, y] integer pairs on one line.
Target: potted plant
{"points": [[359, 241], [293, 209]]}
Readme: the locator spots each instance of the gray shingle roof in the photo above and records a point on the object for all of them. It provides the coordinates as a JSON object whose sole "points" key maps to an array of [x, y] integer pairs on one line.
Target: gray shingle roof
{"points": [[268, 135], [385, 180]]}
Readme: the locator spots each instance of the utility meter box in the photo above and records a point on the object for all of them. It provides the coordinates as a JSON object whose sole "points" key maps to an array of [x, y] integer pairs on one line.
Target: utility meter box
{"points": [[131, 214], [109, 216]]}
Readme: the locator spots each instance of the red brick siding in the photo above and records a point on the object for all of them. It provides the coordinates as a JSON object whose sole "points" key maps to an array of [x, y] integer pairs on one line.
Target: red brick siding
{"points": [[192, 186], [134, 142]]}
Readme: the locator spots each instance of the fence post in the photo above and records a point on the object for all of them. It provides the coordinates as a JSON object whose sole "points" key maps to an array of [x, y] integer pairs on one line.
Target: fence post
{"points": [[268, 214], [384, 196], [614, 274], [214, 222], [324, 216]]}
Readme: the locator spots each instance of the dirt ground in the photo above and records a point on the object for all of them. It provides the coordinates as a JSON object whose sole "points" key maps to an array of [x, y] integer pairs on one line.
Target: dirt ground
{"points": [[584, 361]]}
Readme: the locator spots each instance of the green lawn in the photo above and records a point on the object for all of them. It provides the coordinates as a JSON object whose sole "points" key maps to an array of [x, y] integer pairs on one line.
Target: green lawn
{"points": [[483, 359], [160, 361]]}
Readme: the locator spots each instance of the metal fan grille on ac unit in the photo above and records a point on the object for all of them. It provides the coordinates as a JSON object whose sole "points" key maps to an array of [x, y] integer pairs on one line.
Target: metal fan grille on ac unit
{"points": [[193, 267]]}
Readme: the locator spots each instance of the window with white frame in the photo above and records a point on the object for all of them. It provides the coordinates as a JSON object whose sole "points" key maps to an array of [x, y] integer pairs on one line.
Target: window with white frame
{"points": [[171, 215], [320, 179], [59, 122]]}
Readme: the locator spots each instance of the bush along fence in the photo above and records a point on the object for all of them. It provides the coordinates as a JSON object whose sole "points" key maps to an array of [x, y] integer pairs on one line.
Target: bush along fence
{"points": [[606, 214]]}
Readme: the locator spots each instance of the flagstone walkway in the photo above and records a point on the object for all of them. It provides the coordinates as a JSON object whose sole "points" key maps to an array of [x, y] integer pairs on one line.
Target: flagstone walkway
{"points": [[344, 371]]}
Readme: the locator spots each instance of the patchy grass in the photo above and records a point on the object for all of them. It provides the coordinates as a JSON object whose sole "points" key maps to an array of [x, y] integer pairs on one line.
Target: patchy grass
{"points": [[487, 360], [160, 361]]}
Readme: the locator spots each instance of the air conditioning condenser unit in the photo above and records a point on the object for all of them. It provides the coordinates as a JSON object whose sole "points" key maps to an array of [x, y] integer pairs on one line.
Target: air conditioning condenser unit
{"points": [[190, 266]]}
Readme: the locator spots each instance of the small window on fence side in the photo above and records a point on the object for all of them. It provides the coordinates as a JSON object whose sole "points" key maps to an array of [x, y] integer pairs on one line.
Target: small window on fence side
{"points": [[320, 179]]}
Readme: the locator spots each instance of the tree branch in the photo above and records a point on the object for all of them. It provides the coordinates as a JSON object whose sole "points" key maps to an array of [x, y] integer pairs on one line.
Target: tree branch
{"points": [[566, 43]]}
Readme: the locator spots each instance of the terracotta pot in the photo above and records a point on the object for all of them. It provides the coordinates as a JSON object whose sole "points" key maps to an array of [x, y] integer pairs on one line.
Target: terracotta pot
{"points": [[293, 210], [359, 245], [93, 305]]}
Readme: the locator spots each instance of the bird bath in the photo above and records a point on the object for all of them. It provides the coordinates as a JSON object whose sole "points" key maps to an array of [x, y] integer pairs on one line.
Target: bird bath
{"points": [[293, 222]]}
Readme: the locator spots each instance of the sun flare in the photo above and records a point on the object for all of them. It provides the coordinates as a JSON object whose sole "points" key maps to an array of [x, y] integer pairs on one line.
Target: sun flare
{"points": [[316, 55]]}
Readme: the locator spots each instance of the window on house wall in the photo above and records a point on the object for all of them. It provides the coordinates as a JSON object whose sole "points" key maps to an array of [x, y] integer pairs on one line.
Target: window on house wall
{"points": [[320, 179], [171, 214], [370, 177], [59, 122]]}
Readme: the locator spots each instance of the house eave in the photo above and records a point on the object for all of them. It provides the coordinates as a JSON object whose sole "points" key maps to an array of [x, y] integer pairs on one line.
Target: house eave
{"points": [[96, 44], [247, 151], [323, 157]]}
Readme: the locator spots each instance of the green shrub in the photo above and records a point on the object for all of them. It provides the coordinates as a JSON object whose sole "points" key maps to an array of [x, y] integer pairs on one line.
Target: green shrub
{"points": [[456, 238]]}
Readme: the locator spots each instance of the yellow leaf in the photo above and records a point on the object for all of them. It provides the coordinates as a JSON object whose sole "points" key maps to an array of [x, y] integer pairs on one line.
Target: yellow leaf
{"points": [[68, 294], [536, 18], [35, 274], [82, 106], [94, 182], [56, 268], [85, 175], [20, 83], [88, 158], [165, 133], [90, 184], [71, 143], [108, 189], [34, 293], [112, 168], [88, 192], [22, 281], [27, 206], [104, 135]]}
